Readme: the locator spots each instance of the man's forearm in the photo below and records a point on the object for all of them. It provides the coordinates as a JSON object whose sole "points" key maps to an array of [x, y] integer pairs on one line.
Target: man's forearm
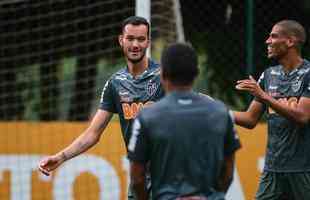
{"points": [[243, 119], [80, 145], [285, 110]]}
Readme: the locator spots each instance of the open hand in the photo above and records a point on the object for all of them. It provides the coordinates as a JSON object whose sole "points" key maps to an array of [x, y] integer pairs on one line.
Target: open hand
{"points": [[251, 86]]}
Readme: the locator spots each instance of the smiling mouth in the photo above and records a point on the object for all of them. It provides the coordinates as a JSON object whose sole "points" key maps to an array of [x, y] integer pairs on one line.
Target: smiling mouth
{"points": [[269, 49], [134, 52]]}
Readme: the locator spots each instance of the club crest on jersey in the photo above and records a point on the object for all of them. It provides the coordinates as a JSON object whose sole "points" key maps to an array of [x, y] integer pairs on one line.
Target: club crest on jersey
{"points": [[124, 96], [151, 88], [296, 86]]}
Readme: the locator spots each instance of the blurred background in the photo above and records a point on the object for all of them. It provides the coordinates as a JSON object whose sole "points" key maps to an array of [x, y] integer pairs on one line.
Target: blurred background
{"points": [[56, 55]]}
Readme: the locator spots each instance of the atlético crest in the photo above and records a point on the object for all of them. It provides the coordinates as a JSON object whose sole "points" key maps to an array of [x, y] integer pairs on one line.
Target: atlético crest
{"points": [[296, 86], [151, 88]]}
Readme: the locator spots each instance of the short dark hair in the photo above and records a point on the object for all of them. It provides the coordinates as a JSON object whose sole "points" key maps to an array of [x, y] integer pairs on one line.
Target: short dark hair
{"points": [[294, 28], [136, 20], [179, 64]]}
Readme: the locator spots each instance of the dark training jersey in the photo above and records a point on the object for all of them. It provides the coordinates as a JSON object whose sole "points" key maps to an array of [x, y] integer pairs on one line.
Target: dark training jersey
{"points": [[288, 143], [185, 136], [126, 95]]}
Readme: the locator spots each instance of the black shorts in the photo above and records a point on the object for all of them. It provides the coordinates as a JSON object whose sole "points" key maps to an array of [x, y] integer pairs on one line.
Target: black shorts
{"points": [[284, 186]]}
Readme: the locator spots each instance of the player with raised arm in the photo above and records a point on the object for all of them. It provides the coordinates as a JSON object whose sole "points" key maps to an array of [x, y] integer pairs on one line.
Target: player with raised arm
{"points": [[283, 91]]}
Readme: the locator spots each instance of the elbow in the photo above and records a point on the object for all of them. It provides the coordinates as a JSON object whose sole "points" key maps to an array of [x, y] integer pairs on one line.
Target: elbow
{"points": [[250, 126], [246, 122]]}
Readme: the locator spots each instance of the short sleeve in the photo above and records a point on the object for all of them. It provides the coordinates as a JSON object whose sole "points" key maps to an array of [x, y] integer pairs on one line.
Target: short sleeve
{"points": [[306, 90], [107, 101], [261, 83], [232, 142], [138, 142]]}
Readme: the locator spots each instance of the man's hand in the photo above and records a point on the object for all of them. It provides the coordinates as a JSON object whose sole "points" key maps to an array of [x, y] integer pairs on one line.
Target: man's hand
{"points": [[48, 164], [251, 86]]}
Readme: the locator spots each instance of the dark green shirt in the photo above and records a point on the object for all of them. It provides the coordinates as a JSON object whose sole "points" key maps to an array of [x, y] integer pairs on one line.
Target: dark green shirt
{"points": [[126, 95], [288, 143], [185, 136]]}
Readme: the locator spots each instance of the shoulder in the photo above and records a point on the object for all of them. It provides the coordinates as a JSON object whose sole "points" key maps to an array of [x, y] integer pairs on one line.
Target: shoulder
{"points": [[210, 100], [154, 67], [305, 69], [155, 109], [153, 64], [307, 63], [120, 75], [219, 106], [274, 70], [270, 71]]}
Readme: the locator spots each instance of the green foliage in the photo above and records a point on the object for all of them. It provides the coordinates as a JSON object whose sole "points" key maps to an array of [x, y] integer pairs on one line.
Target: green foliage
{"points": [[28, 80]]}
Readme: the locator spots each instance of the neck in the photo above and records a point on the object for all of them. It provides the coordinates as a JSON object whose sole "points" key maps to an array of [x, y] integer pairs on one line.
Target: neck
{"points": [[291, 62], [138, 68]]}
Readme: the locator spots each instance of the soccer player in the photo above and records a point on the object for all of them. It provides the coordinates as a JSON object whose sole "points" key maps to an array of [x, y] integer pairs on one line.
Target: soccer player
{"points": [[283, 91], [125, 93], [187, 138]]}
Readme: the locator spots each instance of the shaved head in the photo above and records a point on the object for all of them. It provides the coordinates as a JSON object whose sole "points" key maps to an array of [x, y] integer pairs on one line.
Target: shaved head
{"points": [[292, 28]]}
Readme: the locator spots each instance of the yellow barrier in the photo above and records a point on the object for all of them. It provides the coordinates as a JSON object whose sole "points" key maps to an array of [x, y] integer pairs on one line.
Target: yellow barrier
{"points": [[101, 173]]}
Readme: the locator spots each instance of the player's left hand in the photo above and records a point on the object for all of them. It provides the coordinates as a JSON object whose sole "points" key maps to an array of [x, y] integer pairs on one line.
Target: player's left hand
{"points": [[250, 85]]}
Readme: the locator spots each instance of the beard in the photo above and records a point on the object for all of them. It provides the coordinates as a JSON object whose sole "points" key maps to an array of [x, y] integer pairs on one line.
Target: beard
{"points": [[135, 60], [278, 51]]}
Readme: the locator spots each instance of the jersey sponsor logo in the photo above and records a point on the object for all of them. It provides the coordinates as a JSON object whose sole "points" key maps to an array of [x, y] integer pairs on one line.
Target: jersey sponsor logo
{"points": [[274, 94], [123, 93], [296, 86], [131, 110], [290, 102], [125, 96], [271, 87], [151, 88]]}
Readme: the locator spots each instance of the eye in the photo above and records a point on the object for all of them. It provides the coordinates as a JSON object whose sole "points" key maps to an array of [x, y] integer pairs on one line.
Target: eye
{"points": [[129, 38], [141, 39]]}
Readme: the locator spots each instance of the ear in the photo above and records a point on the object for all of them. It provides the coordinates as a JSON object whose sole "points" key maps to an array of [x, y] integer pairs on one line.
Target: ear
{"points": [[292, 40], [120, 40]]}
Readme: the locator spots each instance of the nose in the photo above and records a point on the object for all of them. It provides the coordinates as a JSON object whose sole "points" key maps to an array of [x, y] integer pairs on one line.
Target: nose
{"points": [[268, 40], [135, 43]]}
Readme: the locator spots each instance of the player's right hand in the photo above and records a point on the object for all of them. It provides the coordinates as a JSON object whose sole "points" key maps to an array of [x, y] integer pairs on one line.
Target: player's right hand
{"points": [[48, 164]]}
